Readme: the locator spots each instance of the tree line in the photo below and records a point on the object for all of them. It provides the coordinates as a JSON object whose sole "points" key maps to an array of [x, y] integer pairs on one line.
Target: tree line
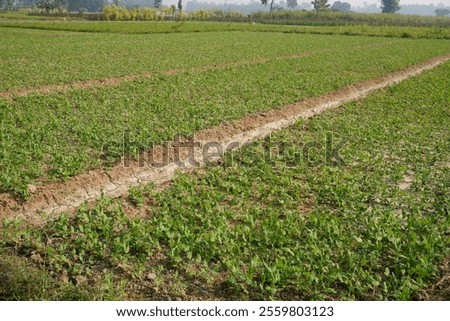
{"points": [[387, 6]]}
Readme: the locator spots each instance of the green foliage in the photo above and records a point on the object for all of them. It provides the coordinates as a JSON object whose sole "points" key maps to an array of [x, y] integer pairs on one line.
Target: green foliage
{"points": [[265, 2], [330, 18], [26, 279], [442, 12], [95, 241], [320, 233], [292, 4], [115, 13], [137, 195], [389, 6], [8, 4], [50, 5], [338, 23], [82, 6], [200, 14], [279, 17], [341, 6], [320, 5]]}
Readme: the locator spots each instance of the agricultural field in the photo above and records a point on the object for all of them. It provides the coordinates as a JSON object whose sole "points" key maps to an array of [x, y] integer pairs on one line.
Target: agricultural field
{"points": [[52, 134], [54, 57], [372, 224]]}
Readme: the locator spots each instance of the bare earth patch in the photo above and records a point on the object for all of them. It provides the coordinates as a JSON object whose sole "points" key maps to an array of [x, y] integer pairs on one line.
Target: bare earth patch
{"points": [[405, 184]]}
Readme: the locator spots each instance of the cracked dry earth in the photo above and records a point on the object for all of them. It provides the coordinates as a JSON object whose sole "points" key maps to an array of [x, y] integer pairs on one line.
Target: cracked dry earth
{"points": [[161, 163]]}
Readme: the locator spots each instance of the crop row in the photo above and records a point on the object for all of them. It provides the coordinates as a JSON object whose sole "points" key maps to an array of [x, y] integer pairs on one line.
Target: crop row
{"points": [[55, 136], [372, 224]]}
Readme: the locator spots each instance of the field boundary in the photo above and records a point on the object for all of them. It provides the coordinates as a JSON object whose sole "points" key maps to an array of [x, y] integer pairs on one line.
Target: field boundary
{"points": [[52, 199]]}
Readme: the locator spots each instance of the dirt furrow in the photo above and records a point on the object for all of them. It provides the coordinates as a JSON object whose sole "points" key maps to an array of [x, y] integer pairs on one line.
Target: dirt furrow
{"points": [[187, 153]]}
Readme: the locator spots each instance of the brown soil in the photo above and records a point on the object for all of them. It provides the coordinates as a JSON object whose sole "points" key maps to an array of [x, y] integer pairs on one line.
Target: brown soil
{"points": [[52, 199], [405, 184]]}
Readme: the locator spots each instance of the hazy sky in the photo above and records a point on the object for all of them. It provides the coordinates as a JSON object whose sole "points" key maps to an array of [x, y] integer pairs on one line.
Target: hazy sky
{"points": [[352, 2]]}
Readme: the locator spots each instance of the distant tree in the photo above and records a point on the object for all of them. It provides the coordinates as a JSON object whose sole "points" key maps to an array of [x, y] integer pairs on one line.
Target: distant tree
{"points": [[8, 4], [157, 4], [86, 5], [292, 4], [265, 2], [172, 10], [341, 6], [60, 4], [390, 6], [46, 5], [440, 12], [320, 5], [180, 5]]}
